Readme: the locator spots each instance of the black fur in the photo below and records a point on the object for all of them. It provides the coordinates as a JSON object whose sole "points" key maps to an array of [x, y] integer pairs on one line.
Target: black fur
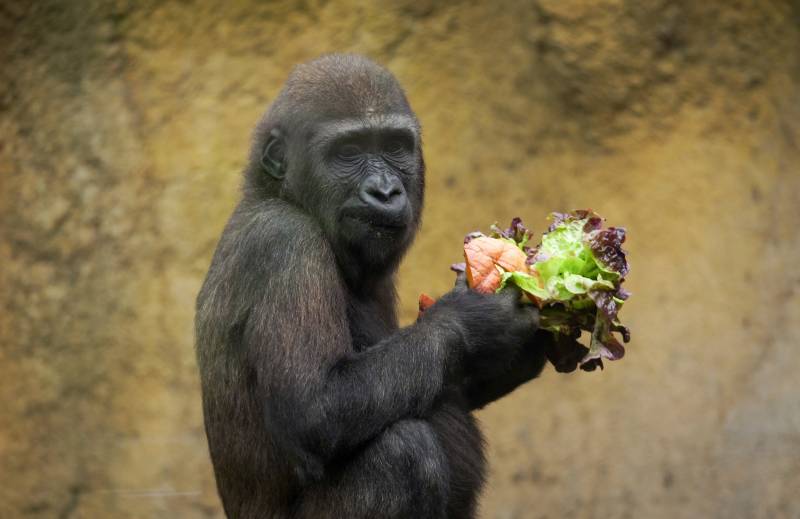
{"points": [[316, 404]]}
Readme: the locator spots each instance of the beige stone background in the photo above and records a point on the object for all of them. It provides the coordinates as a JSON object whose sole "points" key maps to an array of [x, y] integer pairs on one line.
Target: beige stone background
{"points": [[123, 129]]}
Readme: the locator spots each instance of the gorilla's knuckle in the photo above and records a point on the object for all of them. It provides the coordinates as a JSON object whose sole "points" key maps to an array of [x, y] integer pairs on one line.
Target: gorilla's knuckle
{"points": [[407, 436], [416, 442]]}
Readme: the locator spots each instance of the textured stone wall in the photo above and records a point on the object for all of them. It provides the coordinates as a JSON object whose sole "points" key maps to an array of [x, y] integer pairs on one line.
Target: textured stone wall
{"points": [[123, 128]]}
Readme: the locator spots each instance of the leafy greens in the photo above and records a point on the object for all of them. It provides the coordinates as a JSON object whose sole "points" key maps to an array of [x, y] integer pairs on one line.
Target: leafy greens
{"points": [[574, 276]]}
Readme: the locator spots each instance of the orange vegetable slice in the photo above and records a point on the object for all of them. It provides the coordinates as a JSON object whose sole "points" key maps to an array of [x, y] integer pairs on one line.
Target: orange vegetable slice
{"points": [[425, 302], [483, 255]]}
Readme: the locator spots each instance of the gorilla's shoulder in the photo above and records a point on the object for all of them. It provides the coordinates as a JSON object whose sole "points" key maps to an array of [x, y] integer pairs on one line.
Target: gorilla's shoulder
{"points": [[276, 216], [275, 228]]}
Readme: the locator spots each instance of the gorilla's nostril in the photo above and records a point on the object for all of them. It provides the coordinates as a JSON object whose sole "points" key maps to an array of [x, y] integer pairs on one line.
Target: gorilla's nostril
{"points": [[384, 194]]}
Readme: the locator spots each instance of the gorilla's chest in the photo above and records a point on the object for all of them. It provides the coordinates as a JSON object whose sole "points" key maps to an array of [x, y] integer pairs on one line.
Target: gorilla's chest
{"points": [[370, 321]]}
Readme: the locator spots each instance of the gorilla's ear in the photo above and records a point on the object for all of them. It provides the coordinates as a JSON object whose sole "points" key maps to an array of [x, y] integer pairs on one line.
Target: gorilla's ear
{"points": [[273, 158]]}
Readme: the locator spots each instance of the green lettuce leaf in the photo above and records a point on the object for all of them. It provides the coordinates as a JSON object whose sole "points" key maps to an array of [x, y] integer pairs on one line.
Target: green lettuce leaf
{"points": [[575, 277]]}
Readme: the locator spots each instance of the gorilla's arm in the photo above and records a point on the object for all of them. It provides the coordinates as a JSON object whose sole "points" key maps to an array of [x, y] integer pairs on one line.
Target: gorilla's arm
{"points": [[510, 372], [278, 278], [524, 366]]}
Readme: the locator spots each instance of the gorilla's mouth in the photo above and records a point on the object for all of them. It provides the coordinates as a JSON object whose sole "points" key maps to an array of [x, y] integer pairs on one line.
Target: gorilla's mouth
{"points": [[381, 224], [388, 221]]}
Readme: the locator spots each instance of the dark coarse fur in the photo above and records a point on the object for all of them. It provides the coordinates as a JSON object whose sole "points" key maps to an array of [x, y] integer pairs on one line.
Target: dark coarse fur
{"points": [[316, 403]]}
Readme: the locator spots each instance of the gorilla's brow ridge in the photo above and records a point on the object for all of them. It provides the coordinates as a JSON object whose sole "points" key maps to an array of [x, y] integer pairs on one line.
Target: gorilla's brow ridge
{"points": [[373, 123]]}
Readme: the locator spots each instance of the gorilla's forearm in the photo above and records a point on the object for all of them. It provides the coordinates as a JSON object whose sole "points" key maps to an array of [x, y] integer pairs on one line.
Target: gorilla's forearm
{"points": [[525, 366], [399, 378]]}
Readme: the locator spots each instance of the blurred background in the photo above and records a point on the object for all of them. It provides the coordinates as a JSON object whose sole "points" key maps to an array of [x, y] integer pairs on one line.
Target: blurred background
{"points": [[123, 130]]}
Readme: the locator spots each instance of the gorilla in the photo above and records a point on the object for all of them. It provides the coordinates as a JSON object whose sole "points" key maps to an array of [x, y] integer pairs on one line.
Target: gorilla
{"points": [[316, 403]]}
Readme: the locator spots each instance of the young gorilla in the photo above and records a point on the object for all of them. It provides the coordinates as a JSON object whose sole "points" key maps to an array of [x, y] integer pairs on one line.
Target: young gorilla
{"points": [[316, 404]]}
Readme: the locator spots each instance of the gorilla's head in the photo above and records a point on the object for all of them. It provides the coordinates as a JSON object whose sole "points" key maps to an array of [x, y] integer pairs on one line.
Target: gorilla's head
{"points": [[342, 143]]}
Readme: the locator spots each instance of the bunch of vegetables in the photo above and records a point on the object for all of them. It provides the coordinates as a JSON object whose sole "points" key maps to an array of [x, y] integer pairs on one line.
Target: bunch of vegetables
{"points": [[574, 276]]}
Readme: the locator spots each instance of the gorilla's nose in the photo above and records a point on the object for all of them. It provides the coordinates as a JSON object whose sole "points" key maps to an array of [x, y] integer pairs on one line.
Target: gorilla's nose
{"points": [[383, 192]]}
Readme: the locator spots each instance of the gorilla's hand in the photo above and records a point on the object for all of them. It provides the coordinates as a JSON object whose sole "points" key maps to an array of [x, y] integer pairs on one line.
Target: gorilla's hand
{"points": [[495, 329]]}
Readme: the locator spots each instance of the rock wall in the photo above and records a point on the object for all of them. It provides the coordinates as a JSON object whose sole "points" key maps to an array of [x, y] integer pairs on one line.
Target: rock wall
{"points": [[123, 129]]}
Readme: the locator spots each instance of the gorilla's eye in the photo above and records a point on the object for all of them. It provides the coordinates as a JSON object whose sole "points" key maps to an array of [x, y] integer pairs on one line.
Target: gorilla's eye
{"points": [[348, 152], [396, 147]]}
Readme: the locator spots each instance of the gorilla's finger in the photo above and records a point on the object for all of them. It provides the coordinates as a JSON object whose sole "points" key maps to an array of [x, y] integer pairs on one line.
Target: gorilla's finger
{"points": [[461, 282], [533, 314], [511, 292]]}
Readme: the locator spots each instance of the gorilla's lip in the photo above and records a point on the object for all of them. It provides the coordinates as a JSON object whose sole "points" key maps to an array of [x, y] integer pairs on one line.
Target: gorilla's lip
{"points": [[388, 224], [395, 221]]}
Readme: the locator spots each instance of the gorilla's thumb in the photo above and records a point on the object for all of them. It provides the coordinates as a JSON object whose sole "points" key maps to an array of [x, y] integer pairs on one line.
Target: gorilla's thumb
{"points": [[461, 282]]}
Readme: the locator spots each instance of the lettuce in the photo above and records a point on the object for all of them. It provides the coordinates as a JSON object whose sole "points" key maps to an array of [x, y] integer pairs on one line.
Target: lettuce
{"points": [[575, 277]]}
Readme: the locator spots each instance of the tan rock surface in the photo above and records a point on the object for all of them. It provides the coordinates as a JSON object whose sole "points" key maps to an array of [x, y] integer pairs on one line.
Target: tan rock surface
{"points": [[123, 128]]}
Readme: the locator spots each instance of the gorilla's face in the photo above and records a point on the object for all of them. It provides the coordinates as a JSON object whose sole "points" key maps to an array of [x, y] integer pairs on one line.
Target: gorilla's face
{"points": [[363, 180]]}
